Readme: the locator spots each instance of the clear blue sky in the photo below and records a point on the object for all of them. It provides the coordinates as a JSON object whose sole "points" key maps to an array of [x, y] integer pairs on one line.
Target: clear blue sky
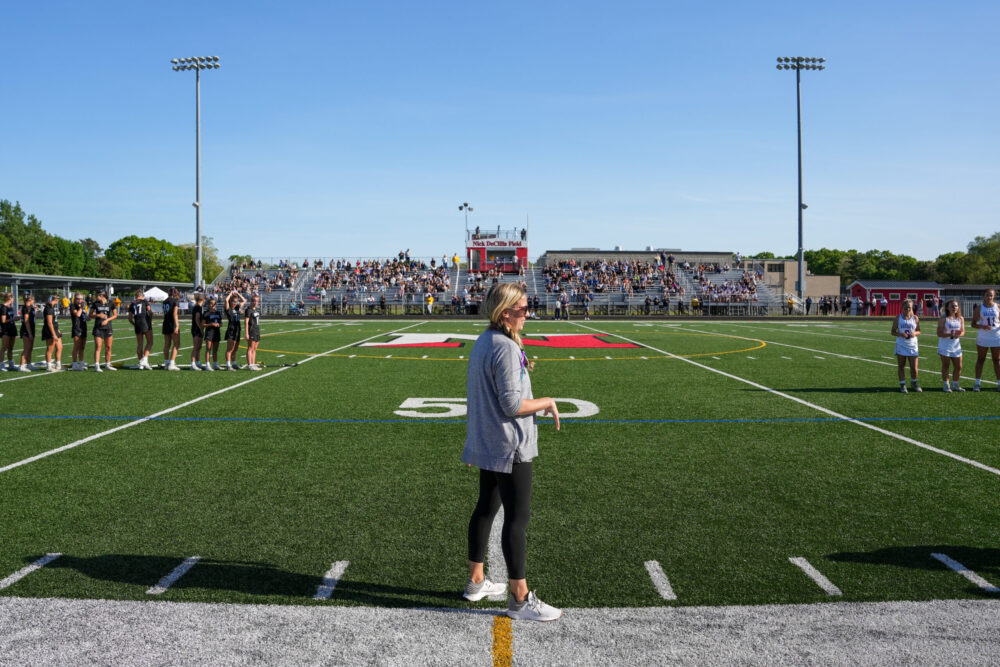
{"points": [[347, 129]]}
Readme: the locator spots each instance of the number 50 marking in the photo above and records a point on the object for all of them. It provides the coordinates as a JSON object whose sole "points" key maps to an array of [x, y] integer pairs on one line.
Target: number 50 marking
{"points": [[437, 408]]}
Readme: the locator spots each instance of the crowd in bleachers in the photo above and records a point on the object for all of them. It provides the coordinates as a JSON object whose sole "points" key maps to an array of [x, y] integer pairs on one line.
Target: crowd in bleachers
{"points": [[740, 290], [399, 275], [598, 277]]}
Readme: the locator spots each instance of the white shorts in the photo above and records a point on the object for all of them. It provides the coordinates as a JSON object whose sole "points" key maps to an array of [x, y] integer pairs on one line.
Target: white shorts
{"points": [[907, 347], [987, 339], [950, 347]]}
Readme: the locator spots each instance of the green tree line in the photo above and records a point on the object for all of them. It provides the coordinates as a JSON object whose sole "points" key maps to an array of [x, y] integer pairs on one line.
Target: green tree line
{"points": [[979, 264], [27, 248]]}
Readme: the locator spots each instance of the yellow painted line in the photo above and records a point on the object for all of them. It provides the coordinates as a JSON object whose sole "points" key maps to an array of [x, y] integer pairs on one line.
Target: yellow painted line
{"points": [[503, 642], [761, 344]]}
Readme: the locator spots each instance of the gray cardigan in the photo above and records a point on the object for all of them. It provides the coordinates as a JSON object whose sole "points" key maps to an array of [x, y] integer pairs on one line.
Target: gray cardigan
{"points": [[497, 382]]}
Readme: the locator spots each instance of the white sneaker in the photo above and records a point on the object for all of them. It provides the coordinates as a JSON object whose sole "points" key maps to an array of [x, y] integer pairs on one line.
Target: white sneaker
{"points": [[194, 366], [97, 367], [256, 367], [24, 369], [532, 609], [208, 367], [3, 368], [59, 366], [109, 367], [216, 367], [485, 588], [51, 368], [231, 367], [172, 366]]}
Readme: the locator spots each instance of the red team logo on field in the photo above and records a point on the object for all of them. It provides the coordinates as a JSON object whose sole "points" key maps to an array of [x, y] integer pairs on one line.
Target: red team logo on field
{"points": [[585, 341]]}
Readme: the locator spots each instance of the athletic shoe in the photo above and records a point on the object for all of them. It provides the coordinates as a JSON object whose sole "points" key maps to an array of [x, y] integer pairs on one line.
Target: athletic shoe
{"points": [[172, 366], [485, 588], [957, 387], [902, 389], [532, 609], [194, 366], [51, 368], [230, 367], [3, 369], [216, 367], [947, 388], [975, 387], [916, 387], [59, 366], [97, 367], [24, 369], [256, 367], [208, 367], [236, 367], [109, 367]]}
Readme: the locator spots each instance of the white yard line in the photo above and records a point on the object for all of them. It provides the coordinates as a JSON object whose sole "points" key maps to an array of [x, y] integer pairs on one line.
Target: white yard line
{"points": [[660, 581], [166, 582], [969, 343], [28, 569], [330, 580], [179, 406], [961, 569], [496, 566], [815, 575], [820, 408]]}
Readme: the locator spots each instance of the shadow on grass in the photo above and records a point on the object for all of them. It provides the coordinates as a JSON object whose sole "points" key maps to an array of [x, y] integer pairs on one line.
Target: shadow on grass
{"points": [[984, 561], [882, 388], [248, 578]]}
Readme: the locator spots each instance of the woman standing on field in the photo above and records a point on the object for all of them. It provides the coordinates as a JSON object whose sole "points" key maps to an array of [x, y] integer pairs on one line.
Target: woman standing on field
{"points": [[986, 321], [906, 328], [78, 330], [502, 440], [9, 332], [951, 328]]}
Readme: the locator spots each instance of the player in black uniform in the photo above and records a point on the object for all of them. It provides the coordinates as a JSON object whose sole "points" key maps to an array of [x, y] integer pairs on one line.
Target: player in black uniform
{"points": [[140, 319], [78, 317], [234, 301], [171, 330], [9, 332], [27, 331], [52, 335], [103, 314], [252, 317], [197, 331], [212, 323]]}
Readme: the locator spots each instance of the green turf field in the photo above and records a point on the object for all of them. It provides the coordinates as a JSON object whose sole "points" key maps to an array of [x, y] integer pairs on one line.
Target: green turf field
{"points": [[271, 477]]}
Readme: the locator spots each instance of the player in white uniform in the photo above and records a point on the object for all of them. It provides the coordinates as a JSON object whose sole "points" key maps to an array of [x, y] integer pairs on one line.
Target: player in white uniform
{"points": [[906, 328], [986, 321], [951, 328]]}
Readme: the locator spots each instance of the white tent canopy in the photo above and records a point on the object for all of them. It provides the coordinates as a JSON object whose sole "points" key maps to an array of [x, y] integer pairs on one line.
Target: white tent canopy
{"points": [[156, 294]]}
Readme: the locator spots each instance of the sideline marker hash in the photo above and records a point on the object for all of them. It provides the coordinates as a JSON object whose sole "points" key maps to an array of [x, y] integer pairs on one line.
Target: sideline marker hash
{"points": [[964, 571], [330, 580], [815, 575], [660, 580], [28, 569], [166, 582]]}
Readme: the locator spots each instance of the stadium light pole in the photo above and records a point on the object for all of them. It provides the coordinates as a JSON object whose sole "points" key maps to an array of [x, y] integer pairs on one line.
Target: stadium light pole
{"points": [[467, 209], [197, 64], [798, 64]]}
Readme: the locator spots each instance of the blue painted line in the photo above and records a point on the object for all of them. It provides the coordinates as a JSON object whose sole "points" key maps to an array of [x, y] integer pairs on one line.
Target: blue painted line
{"points": [[431, 420]]}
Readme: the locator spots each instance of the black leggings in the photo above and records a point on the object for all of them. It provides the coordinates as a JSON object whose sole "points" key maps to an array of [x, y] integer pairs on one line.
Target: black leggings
{"points": [[513, 491]]}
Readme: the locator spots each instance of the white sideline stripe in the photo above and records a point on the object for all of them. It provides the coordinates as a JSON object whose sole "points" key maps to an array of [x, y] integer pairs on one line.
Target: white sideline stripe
{"points": [[832, 413], [496, 566], [660, 581], [280, 356], [789, 358], [89, 438], [819, 357], [330, 580], [754, 358], [815, 575], [166, 582], [719, 358], [961, 569], [28, 569]]}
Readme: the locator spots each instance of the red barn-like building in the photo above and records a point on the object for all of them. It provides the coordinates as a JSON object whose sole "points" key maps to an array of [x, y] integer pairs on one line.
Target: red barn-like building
{"points": [[921, 292]]}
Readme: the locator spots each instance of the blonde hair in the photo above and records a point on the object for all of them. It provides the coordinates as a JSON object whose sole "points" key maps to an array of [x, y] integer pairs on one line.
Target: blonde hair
{"points": [[906, 304], [501, 297]]}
